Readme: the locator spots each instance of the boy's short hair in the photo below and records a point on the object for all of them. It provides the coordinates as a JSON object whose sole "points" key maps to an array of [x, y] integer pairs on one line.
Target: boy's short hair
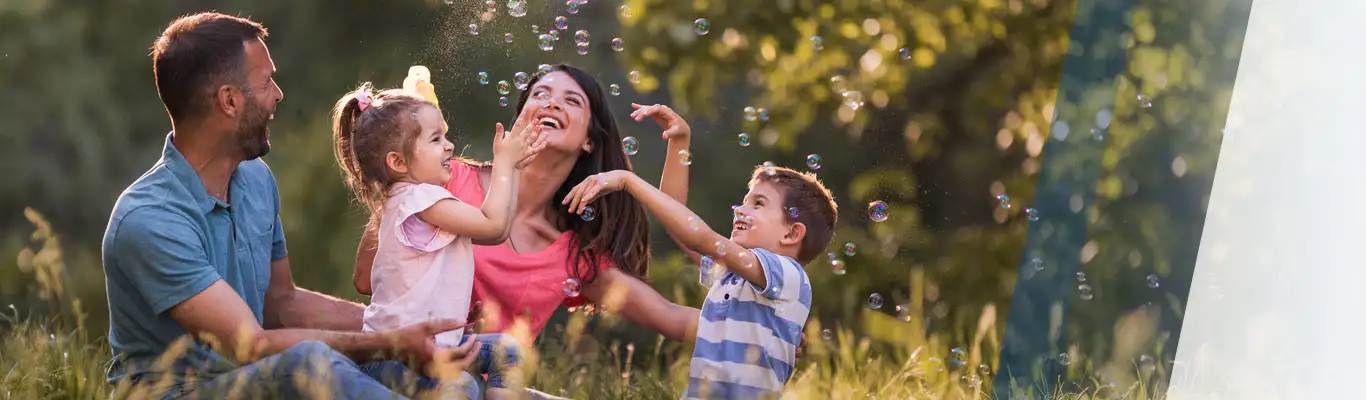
{"points": [[815, 206]]}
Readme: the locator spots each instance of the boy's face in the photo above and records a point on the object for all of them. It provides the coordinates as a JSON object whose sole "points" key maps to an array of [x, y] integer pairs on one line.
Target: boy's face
{"points": [[761, 221]]}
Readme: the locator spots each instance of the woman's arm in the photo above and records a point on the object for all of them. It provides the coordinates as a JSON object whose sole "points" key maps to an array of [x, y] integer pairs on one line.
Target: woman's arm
{"points": [[365, 259], [639, 303], [674, 180]]}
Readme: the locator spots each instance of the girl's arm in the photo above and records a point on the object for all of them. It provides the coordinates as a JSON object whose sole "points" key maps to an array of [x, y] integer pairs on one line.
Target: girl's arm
{"points": [[487, 224]]}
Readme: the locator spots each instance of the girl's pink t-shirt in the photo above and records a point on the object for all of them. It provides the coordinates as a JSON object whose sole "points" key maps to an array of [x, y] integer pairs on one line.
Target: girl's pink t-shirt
{"points": [[512, 285]]}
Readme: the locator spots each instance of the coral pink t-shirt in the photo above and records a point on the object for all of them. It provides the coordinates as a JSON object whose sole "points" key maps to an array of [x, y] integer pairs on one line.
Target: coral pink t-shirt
{"points": [[512, 285]]}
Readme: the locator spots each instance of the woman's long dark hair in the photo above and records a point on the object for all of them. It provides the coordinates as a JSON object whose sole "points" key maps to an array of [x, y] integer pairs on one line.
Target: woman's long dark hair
{"points": [[621, 231]]}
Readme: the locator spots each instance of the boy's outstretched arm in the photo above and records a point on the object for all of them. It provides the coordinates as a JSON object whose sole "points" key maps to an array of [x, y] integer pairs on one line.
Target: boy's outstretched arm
{"points": [[677, 219]]}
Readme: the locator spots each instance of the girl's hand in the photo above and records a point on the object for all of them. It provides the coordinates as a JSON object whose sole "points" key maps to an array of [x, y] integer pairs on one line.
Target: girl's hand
{"points": [[593, 187], [674, 126], [519, 146]]}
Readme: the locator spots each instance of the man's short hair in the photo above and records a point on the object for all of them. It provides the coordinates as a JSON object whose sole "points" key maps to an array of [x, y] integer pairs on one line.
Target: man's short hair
{"points": [[198, 53]]}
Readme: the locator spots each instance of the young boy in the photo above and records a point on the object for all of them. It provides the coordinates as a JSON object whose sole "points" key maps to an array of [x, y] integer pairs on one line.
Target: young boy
{"points": [[751, 322]]}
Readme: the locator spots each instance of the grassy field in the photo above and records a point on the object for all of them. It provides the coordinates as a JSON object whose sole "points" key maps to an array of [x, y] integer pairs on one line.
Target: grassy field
{"points": [[56, 357]]}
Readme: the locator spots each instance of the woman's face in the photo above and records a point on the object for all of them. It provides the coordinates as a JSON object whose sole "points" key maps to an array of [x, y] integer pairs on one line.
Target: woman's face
{"points": [[559, 105]]}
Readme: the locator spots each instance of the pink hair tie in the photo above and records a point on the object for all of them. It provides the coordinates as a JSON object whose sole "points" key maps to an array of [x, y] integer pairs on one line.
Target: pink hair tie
{"points": [[363, 101]]}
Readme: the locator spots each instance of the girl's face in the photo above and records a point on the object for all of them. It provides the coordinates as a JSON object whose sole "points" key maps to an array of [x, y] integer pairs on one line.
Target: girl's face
{"points": [[431, 157], [558, 104]]}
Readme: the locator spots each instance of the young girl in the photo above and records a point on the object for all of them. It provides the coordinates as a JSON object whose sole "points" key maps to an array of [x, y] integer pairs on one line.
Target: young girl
{"points": [[394, 156]]}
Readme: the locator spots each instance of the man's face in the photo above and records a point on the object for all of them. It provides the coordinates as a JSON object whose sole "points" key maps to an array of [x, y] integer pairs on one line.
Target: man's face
{"points": [[262, 94]]}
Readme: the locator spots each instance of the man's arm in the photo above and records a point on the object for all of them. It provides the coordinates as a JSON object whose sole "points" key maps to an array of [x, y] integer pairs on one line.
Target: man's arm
{"points": [[161, 253], [289, 306], [645, 307]]}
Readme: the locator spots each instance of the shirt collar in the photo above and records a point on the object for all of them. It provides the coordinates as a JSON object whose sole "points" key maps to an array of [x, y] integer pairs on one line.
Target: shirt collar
{"points": [[186, 175]]}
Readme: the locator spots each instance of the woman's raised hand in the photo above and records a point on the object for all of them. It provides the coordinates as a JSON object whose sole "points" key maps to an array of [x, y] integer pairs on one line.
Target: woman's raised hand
{"points": [[593, 187], [674, 126]]}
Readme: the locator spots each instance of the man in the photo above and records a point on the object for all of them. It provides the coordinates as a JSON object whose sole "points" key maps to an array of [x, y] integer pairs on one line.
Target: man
{"points": [[195, 247]]}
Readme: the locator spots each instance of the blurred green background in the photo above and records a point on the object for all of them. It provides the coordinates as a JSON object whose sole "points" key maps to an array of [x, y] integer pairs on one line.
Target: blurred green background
{"points": [[938, 137]]}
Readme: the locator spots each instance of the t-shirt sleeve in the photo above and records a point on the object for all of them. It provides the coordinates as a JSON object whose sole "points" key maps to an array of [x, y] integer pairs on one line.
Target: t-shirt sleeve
{"points": [[782, 274], [162, 255], [277, 245], [412, 231]]}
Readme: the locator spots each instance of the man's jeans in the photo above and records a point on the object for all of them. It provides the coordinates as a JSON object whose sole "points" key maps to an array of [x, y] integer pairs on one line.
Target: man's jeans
{"points": [[311, 369]]}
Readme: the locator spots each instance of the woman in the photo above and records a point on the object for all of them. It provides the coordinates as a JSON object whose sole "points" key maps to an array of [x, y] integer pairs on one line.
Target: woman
{"points": [[523, 280]]}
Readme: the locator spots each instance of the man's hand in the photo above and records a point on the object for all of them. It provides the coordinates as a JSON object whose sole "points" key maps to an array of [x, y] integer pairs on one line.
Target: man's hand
{"points": [[595, 186], [417, 344]]}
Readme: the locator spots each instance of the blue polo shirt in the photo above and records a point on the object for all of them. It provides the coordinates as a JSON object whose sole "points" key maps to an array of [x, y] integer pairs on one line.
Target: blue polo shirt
{"points": [[168, 240]]}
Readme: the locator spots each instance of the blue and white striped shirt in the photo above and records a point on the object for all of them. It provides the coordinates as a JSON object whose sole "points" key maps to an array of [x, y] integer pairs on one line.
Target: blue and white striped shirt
{"points": [[747, 335]]}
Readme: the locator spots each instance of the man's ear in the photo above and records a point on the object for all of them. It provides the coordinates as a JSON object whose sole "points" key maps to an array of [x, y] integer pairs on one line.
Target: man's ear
{"points": [[794, 235], [396, 162], [230, 100]]}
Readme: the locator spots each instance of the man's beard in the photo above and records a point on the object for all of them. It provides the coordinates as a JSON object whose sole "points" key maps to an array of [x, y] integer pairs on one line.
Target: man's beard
{"points": [[253, 135]]}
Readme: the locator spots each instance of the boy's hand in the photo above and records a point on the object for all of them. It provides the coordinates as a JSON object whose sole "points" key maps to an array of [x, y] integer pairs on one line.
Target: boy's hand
{"points": [[593, 187], [674, 126]]}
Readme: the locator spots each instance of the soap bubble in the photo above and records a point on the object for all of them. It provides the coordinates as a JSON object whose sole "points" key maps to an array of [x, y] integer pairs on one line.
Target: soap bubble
{"points": [[905, 53], [1036, 264], [618, 44], [1005, 200], [817, 43], [877, 211], [769, 164], [853, 99], [546, 42], [1084, 291], [875, 301], [502, 101], [561, 23], [507, 37], [720, 248], [634, 77], [474, 29], [570, 287], [1153, 282], [483, 78], [504, 87], [685, 157], [581, 37], [837, 267], [1146, 363], [826, 334], [763, 114], [958, 357], [520, 79], [588, 213], [614, 89], [630, 145], [838, 84], [572, 7], [701, 26], [743, 138], [1145, 101], [792, 212], [544, 69], [850, 249], [751, 114], [535, 29], [625, 12], [582, 48], [1064, 359], [693, 223], [813, 161], [1032, 214], [517, 8], [983, 370]]}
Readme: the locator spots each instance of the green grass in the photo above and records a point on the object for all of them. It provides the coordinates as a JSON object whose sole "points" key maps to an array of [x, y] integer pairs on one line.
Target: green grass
{"points": [[56, 357]]}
